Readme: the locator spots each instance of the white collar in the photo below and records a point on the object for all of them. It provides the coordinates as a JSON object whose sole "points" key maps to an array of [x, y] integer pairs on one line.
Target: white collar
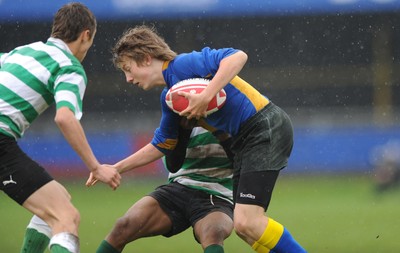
{"points": [[60, 43]]}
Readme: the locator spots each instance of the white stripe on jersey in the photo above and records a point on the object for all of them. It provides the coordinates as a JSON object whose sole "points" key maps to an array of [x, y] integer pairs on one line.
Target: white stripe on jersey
{"points": [[2, 58], [7, 129], [197, 131], [72, 78], [210, 172], [65, 95], [209, 150], [31, 65], [14, 114], [54, 52], [27, 93], [211, 186]]}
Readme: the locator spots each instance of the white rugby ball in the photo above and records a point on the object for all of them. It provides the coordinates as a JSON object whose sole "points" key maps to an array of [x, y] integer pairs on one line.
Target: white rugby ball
{"points": [[178, 103]]}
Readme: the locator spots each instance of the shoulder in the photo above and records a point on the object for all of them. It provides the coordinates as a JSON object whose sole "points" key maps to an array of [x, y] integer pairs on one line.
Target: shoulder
{"points": [[221, 51]]}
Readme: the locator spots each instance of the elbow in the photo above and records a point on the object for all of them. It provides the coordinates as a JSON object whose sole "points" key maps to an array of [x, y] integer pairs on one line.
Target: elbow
{"points": [[60, 120], [63, 117], [243, 56]]}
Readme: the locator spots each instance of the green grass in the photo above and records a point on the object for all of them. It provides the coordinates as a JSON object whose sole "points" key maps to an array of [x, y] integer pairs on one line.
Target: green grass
{"points": [[326, 214]]}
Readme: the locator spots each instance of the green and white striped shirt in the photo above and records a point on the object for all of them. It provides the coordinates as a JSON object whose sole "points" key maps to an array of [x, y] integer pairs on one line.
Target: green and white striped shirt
{"points": [[206, 166], [34, 76]]}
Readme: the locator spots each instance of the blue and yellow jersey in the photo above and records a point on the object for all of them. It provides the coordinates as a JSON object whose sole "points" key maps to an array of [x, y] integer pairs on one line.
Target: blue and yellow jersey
{"points": [[243, 100]]}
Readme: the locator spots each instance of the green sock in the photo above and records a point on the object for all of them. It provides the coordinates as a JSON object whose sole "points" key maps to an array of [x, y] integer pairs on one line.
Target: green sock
{"points": [[215, 248], [105, 247], [55, 248], [34, 241]]}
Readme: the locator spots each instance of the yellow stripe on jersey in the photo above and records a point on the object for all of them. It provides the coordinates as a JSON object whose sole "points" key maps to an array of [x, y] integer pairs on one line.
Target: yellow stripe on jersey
{"points": [[168, 144], [165, 65], [258, 100]]}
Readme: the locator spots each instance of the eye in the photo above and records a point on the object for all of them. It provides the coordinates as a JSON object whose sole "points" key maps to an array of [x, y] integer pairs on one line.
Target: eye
{"points": [[126, 68]]}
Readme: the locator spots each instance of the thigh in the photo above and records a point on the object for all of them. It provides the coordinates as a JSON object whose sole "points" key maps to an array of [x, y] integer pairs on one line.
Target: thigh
{"points": [[173, 200], [146, 218], [52, 203], [255, 188]]}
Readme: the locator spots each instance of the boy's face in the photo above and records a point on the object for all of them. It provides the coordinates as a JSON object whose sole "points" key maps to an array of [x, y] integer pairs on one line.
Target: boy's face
{"points": [[139, 75]]}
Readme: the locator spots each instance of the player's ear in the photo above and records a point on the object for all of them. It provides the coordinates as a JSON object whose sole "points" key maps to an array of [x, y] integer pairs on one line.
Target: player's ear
{"points": [[86, 35], [147, 60]]}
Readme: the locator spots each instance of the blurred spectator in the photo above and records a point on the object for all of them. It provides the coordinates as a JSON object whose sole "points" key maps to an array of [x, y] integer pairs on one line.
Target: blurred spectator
{"points": [[386, 161]]}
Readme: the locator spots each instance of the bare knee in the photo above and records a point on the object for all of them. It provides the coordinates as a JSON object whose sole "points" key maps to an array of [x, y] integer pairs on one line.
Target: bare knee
{"points": [[67, 220], [249, 223], [217, 232], [121, 233], [213, 229], [242, 226]]}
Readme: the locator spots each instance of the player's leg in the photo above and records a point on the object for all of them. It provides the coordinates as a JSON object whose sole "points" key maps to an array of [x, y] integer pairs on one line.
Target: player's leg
{"points": [[253, 195], [262, 149], [53, 205], [145, 218], [37, 236], [31, 186], [211, 218], [212, 230]]}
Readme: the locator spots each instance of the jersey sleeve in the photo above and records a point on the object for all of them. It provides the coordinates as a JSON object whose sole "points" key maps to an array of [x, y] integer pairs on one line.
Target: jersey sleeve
{"points": [[2, 58], [69, 89], [202, 64], [166, 135]]}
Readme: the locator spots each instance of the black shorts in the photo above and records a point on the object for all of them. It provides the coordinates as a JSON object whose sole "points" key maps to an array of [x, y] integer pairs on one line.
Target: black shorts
{"points": [[264, 142], [20, 176], [185, 206], [262, 148], [255, 188]]}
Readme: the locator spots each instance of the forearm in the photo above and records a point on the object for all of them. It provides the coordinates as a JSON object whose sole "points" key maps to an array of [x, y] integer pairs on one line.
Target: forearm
{"points": [[142, 157], [175, 160], [73, 132], [228, 69]]}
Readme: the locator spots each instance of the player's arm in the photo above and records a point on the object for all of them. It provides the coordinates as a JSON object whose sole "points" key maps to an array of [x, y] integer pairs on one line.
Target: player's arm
{"points": [[229, 67], [142, 157], [175, 159], [74, 134]]}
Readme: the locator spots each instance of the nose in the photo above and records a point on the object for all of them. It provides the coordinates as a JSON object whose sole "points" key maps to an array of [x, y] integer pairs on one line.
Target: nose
{"points": [[129, 78]]}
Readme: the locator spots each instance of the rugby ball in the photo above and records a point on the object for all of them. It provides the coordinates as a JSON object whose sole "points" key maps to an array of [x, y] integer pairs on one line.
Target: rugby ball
{"points": [[178, 103]]}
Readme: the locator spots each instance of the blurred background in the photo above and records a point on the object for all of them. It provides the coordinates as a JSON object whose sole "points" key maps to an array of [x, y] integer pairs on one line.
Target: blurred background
{"points": [[333, 65]]}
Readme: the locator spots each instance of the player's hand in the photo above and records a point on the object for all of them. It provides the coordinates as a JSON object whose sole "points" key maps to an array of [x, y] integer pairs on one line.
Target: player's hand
{"points": [[197, 107], [91, 180], [106, 174]]}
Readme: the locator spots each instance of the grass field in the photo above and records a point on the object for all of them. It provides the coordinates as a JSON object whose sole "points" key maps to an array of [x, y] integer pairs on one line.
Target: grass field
{"points": [[326, 214]]}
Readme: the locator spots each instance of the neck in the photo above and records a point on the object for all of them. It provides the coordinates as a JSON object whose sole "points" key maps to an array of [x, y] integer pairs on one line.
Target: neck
{"points": [[158, 67]]}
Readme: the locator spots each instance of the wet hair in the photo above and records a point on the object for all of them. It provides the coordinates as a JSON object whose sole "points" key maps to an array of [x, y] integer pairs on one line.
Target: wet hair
{"points": [[137, 43], [71, 20]]}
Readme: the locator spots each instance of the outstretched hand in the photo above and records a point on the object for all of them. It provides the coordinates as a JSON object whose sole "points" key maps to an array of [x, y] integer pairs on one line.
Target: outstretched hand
{"points": [[106, 174]]}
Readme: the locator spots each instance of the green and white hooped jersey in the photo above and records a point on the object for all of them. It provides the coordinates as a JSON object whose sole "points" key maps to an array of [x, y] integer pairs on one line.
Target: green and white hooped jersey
{"points": [[206, 166], [34, 76]]}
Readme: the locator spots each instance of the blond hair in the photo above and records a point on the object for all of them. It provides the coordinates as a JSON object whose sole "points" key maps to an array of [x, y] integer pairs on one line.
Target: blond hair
{"points": [[138, 42]]}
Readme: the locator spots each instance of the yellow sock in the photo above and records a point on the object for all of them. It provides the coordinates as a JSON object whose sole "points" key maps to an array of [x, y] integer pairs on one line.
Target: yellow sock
{"points": [[270, 237], [259, 248]]}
